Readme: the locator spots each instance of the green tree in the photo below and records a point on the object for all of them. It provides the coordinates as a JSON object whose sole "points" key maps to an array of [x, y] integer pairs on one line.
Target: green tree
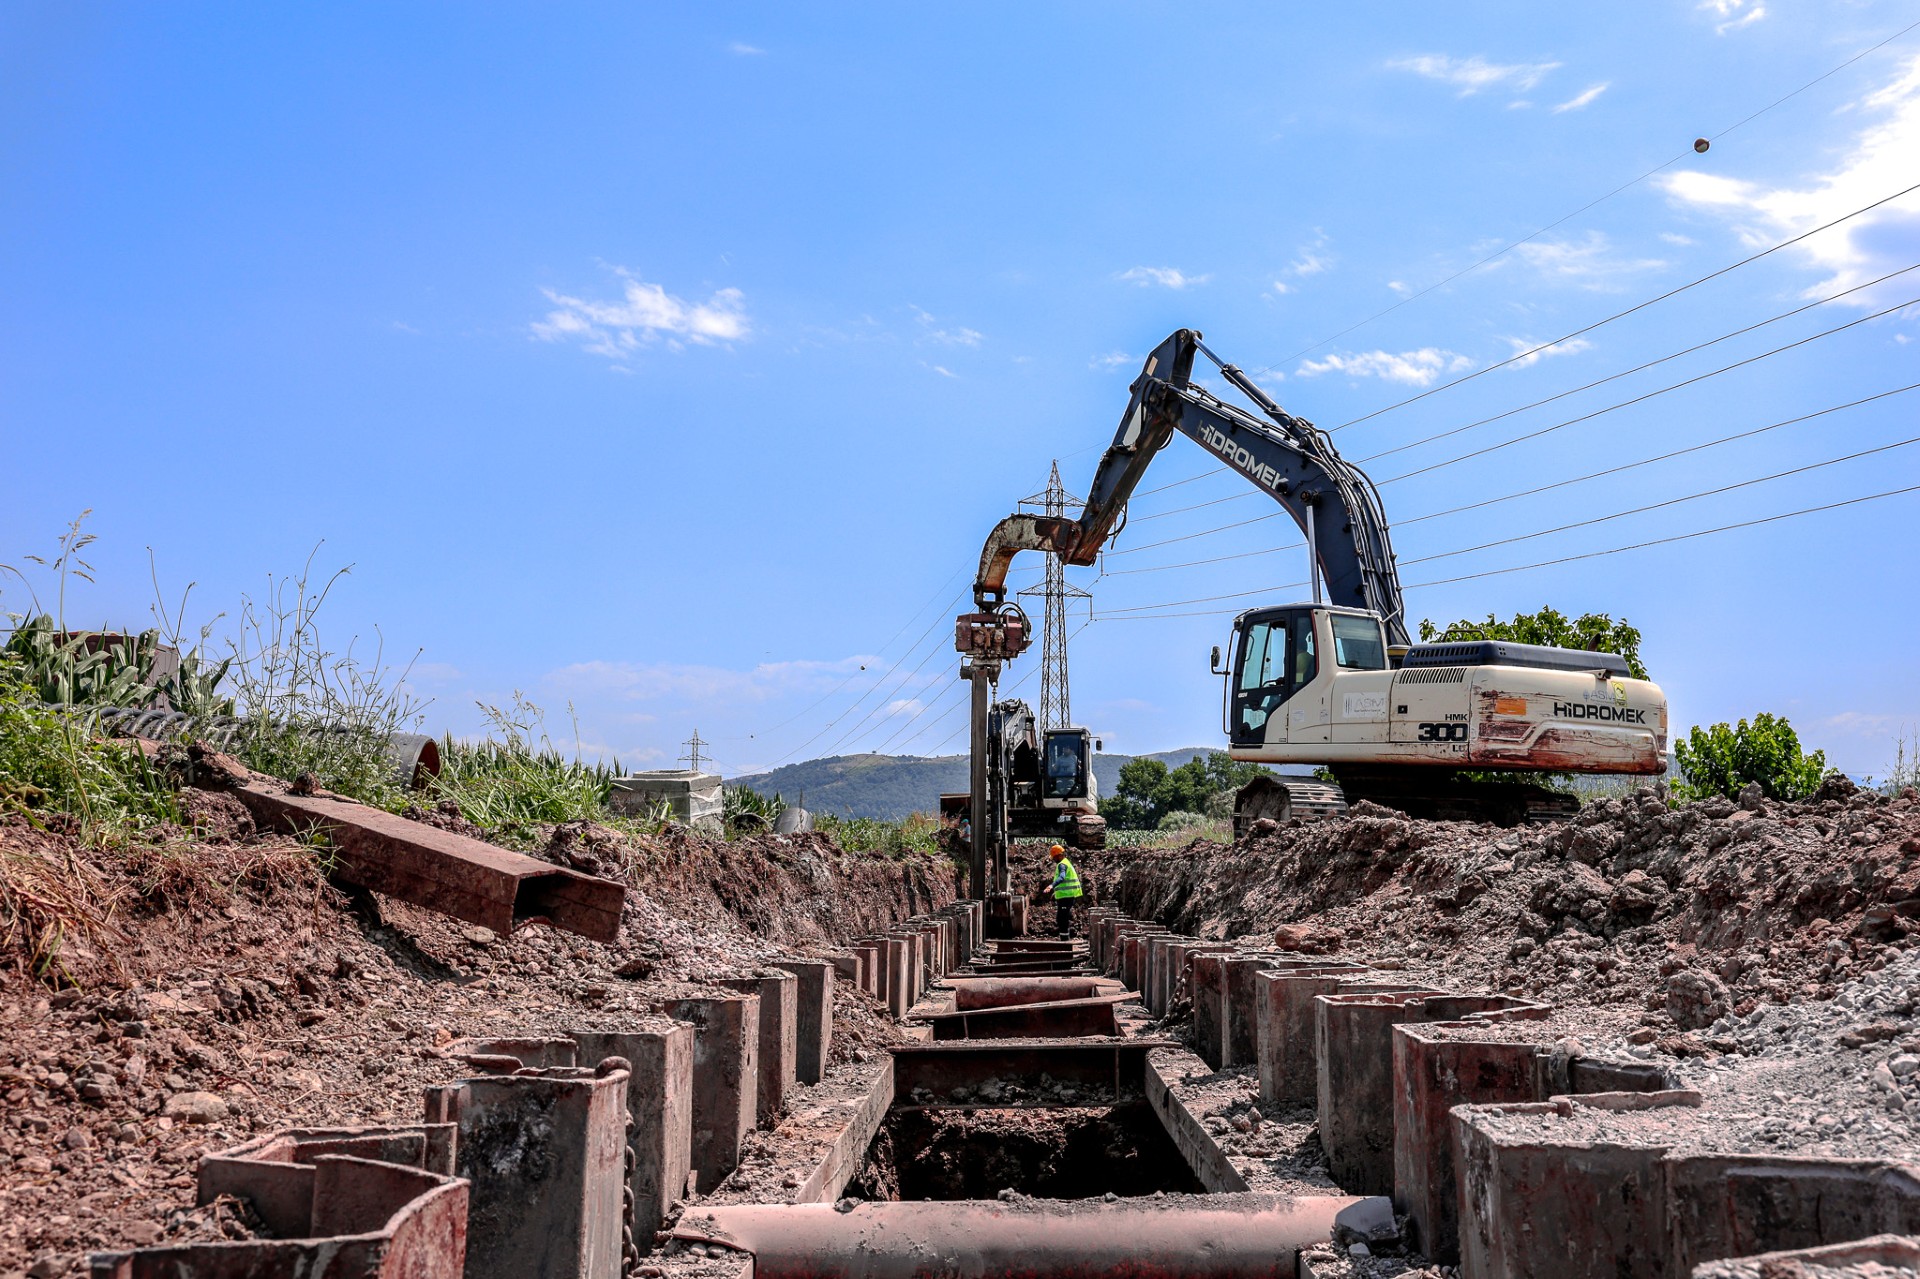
{"points": [[1148, 790], [1597, 632], [1722, 760]]}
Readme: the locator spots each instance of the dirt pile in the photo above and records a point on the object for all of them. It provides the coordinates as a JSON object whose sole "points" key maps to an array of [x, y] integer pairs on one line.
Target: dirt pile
{"points": [[221, 986], [1694, 913]]}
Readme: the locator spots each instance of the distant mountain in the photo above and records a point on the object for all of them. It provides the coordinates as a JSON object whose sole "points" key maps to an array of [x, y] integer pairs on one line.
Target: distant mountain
{"points": [[893, 786]]}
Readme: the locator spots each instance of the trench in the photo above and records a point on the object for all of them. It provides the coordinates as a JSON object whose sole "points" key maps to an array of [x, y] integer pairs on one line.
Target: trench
{"points": [[1057, 1153]]}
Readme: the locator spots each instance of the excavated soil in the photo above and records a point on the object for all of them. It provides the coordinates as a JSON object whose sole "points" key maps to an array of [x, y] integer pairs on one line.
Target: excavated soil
{"points": [[1690, 913], [1065, 1153], [232, 990]]}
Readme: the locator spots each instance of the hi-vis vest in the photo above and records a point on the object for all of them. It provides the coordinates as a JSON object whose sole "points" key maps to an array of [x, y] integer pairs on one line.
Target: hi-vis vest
{"points": [[1066, 880]]}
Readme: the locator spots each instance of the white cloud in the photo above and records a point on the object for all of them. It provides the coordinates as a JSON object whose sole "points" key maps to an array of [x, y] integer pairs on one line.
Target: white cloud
{"points": [[946, 337], [1164, 276], [903, 706], [1873, 164], [1114, 360], [1281, 286], [1572, 346], [1400, 286], [1415, 368], [1589, 263], [644, 314], [1734, 14], [1582, 99], [1674, 237], [941, 369], [1475, 74], [745, 50]]}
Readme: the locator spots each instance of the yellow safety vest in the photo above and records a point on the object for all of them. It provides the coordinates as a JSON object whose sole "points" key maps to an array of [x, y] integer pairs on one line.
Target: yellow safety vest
{"points": [[1066, 880]]}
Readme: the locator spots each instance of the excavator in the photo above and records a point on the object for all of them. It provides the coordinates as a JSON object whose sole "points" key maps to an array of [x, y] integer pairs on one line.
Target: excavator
{"points": [[1335, 682]]}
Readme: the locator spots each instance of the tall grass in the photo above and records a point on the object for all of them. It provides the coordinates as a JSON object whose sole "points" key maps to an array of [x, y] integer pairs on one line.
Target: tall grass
{"points": [[517, 780], [915, 834], [308, 709]]}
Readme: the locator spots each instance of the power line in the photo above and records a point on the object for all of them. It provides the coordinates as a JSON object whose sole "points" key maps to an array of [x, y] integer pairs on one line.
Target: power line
{"points": [[1536, 434], [824, 697], [1678, 537], [1197, 506], [1638, 368], [884, 701], [1626, 466], [1620, 315], [1654, 506], [1526, 537], [1188, 537], [1213, 559], [1538, 489], [829, 726], [1587, 417], [1117, 614], [1666, 164]]}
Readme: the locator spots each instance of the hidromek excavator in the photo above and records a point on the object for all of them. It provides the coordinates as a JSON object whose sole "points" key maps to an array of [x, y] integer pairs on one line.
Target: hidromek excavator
{"points": [[1336, 681]]}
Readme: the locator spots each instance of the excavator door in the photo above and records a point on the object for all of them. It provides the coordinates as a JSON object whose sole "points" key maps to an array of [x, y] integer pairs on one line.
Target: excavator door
{"points": [[1274, 658]]}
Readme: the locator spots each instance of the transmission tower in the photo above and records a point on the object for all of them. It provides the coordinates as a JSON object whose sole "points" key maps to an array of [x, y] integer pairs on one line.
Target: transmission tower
{"points": [[1055, 708], [693, 756]]}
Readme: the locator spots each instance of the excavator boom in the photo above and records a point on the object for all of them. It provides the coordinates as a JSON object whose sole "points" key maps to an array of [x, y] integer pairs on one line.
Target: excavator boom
{"points": [[1295, 463]]}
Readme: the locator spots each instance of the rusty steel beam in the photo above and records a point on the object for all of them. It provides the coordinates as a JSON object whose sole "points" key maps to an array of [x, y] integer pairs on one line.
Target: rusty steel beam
{"points": [[1244, 1236], [970, 993], [1066, 1018], [951, 1074], [443, 871]]}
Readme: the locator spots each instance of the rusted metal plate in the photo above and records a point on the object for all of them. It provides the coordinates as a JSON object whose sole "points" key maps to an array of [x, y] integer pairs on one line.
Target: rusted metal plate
{"points": [[1246, 1236], [368, 1220], [1062, 1018], [1045, 1073]]}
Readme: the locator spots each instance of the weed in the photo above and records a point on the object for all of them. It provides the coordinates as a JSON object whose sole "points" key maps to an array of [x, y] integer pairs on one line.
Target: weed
{"points": [[307, 709], [516, 780], [910, 836]]}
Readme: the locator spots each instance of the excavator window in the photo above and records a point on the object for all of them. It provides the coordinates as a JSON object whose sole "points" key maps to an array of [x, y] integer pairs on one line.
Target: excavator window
{"points": [[1066, 766], [1357, 645]]}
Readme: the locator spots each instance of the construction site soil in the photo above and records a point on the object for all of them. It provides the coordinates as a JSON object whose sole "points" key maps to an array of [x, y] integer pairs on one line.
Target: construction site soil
{"points": [[233, 991], [1763, 950]]}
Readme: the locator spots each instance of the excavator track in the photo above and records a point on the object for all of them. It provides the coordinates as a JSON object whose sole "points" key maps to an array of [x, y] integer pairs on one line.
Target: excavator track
{"points": [[1089, 832], [1283, 798], [1423, 793]]}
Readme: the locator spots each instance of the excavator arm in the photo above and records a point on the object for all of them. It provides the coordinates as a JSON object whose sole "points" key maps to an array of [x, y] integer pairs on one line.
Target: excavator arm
{"points": [[1295, 463]]}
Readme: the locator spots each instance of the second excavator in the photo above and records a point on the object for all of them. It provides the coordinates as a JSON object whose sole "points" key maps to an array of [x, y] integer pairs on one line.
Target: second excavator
{"points": [[1335, 681]]}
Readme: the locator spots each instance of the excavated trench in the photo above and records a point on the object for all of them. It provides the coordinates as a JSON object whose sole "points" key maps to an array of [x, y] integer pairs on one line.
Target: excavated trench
{"points": [[1068, 1153]]}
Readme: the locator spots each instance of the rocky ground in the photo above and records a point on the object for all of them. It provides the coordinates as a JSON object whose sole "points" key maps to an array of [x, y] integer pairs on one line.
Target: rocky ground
{"points": [[229, 989], [1693, 913], [1769, 953], [212, 983]]}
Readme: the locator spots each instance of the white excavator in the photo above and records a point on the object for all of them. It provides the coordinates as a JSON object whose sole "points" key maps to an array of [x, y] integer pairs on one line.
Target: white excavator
{"points": [[1335, 682]]}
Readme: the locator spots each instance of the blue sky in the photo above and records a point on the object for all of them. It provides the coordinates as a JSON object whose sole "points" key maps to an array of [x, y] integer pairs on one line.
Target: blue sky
{"points": [[673, 361]]}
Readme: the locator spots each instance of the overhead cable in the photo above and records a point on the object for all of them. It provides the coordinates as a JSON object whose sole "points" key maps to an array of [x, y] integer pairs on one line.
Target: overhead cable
{"points": [[1639, 399], [1638, 368], [1530, 352], [1624, 186]]}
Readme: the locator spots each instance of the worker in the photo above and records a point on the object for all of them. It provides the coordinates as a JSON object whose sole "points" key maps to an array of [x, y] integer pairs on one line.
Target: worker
{"points": [[1065, 890]]}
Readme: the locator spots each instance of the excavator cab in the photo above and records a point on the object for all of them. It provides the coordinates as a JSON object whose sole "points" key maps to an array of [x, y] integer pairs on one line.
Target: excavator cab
{"points": [[1069, 764]]}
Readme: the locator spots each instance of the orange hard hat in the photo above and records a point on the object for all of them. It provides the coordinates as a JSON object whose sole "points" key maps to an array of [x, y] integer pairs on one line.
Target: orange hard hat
{"points": [[1056, 852]]}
